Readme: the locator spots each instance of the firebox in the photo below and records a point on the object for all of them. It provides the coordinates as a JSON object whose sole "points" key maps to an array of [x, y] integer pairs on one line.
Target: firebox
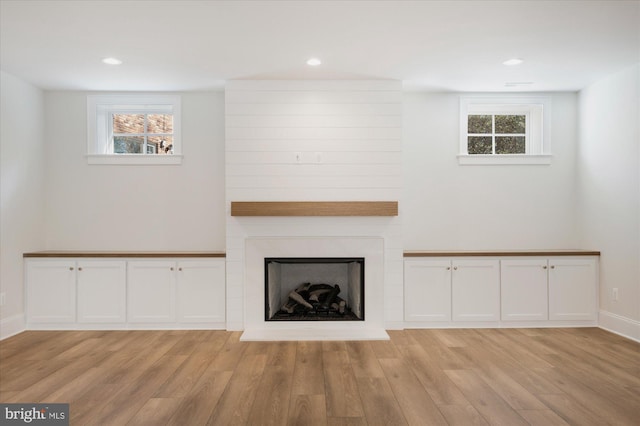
{"points": [[314, 289]]}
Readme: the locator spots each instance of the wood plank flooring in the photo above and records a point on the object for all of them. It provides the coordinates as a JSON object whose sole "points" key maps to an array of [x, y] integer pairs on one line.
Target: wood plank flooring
{"points": [[583, 376]]}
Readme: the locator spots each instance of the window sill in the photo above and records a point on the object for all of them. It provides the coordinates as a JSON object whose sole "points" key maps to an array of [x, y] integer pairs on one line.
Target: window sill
{"points": [[134, 159], [504, 159]]}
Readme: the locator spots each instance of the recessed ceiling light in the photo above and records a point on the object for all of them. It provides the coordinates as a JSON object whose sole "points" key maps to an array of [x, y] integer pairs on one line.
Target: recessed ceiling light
{"points": [[112, 61], [518, 83], [513, 61], [314, 62]]}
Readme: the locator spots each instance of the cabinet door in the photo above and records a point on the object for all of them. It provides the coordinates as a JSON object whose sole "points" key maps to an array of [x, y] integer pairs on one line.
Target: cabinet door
{"points": [[201, 291], [572, 289], [151, 291], [427, 290], [524, 289], [51, 291], [475, 290], [102, 291]]}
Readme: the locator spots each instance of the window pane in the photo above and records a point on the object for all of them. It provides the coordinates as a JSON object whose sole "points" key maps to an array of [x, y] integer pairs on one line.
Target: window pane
{"points": [[160, 145], [160, 123], [128, 144], [510, 145], [479, 145], [128, 123], [510, 123], [479, 124]]}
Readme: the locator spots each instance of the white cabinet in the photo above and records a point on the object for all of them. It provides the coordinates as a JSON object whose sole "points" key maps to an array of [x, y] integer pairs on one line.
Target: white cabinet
{"points": [[187, 291], [444, 290], [201, 291], [507, 290], [573, 289], [427, 290], [523, 283], [119, 293], [51, 291], [475, 290], [151, 291], [101, 286]]}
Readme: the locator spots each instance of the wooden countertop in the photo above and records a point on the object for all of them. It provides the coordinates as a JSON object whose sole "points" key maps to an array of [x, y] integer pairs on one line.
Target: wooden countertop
{"points": [[137, 254], [501, 253]]}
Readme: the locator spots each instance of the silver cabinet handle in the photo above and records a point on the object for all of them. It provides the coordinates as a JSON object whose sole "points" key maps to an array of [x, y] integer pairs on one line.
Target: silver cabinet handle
{"points": [[172, 268], [71, 268], [448, 268], [544, 267], [179, 269], [79, 269], [455, 268], [553, 267]]}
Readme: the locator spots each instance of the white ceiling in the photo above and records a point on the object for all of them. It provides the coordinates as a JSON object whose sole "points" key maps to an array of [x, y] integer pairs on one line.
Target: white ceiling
{"points": [[431, 45]]}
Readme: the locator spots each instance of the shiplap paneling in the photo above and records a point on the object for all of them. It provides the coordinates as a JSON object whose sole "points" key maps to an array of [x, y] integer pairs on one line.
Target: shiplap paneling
{"points": [[313, 141]]}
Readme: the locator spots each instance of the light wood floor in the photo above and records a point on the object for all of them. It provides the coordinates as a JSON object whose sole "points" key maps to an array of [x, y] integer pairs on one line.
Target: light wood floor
{"points": [[421, 377]]}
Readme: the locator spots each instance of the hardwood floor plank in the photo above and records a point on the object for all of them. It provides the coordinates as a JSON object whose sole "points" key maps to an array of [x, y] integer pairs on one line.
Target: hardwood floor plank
{"points": [[417, 406], [308, 374], [236, 401], [437, 384], [156, 411], [228, 357], [572, 412], [489, 404], [185, 377], [458, 415], [307, 410], [363, 360], [542, 418], [431, 377], [510, 390], [272, 405], [379, 403], [126, 402], [346, 421], [198, 406], [343, 398]]}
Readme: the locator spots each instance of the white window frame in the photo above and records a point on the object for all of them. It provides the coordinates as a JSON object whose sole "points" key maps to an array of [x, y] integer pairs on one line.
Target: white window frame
{"points": [[537, 138], [100, 110]]}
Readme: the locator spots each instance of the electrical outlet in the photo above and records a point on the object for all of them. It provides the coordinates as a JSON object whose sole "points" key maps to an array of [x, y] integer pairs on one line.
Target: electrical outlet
{"points": [[614, 294]]}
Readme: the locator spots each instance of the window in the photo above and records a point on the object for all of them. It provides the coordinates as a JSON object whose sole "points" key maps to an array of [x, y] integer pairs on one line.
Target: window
{"points": [[505, 130], [134, 129]]}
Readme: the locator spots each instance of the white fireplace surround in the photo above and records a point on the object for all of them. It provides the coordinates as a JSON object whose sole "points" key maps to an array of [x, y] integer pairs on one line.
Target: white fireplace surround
{"points": [[257, 249]]}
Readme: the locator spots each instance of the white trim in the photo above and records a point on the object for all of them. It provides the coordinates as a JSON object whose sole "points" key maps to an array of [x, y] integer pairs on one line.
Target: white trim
{"points": [[134, 159], [504, 159], [623, 326], [100, 108], [538, 131], [256, 334], [11, 326]]}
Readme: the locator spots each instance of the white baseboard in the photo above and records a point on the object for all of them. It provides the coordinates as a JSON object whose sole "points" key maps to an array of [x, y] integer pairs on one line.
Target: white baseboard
{"points": [[625, 327], [11, 326]]}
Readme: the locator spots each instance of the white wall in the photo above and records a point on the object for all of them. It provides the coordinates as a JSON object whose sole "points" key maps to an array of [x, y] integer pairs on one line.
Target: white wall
{"points": [[124, 207], [609, 192], [21, 191], [355, 125], [453, 207]]}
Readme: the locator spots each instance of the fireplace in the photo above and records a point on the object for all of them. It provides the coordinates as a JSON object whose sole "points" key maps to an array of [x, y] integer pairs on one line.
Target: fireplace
{"points": [[323, 250], [314, 289]]}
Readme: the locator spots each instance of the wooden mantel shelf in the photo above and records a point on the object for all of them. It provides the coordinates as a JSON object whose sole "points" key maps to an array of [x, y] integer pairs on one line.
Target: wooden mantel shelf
{"points": [[314, 208]]}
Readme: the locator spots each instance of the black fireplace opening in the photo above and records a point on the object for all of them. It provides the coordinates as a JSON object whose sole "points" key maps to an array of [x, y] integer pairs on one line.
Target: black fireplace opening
{"points": [[314, 289]]}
